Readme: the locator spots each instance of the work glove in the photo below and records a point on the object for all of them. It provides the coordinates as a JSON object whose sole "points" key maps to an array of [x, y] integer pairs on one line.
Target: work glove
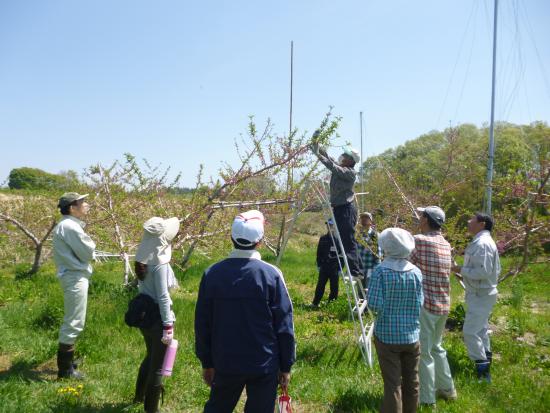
{"points": [[167, 334], [314, 147]]}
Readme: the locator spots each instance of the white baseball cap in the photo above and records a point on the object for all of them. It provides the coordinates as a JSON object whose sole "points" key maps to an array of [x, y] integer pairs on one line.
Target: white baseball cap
{"points": [[248, 228]]}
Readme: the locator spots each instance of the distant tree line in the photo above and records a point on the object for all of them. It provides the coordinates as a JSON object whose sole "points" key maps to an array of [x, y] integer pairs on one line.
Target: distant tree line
{"points": [[448, 168]]}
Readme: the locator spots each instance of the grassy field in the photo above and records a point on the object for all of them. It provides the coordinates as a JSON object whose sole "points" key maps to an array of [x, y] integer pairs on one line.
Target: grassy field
{"points": [[329, 375]]}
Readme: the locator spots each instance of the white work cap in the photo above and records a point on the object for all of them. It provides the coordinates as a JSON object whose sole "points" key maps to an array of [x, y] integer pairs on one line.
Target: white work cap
{"points": [[396, 242], [154, 247], [352, 153], [248, 228]]}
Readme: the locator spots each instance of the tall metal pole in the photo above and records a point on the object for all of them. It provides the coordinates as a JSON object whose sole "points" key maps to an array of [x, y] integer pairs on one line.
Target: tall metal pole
{"points": [[362, 163], [489, 190], [291, 83], [290, 172]]}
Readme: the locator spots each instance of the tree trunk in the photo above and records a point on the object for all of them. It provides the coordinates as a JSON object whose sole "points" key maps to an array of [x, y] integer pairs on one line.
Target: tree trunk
{"points": [[37, 259]]}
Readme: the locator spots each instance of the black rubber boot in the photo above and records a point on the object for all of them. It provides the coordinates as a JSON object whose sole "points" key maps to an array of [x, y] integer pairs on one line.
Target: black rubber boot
{"points": [[483, 370], [152, 398], [66, 368]]}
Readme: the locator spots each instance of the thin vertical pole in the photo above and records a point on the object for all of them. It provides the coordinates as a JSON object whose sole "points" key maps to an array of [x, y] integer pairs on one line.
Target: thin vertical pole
{"points": [[291, 84], [290, 172], [489, 190], [362, 163]]}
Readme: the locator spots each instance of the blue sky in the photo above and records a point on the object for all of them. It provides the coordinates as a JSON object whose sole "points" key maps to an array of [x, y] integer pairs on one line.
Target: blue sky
{"points": [[174, 81]]}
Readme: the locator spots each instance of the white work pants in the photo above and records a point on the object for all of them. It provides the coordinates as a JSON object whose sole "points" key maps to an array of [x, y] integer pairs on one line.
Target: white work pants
{"points": [[479, 308], [75, 300], [434, 370]]}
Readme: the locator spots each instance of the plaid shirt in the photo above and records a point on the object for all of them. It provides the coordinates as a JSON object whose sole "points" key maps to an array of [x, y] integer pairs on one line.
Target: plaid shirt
{"points": [[367, 248], [396, 298], [432, 254]]}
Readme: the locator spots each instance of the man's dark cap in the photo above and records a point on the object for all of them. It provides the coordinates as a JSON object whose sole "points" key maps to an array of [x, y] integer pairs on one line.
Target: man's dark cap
{"points": [[68, 198]]}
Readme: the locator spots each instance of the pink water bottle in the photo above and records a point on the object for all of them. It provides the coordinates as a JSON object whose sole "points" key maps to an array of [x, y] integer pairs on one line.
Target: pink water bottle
{"points": [[169, 358]]}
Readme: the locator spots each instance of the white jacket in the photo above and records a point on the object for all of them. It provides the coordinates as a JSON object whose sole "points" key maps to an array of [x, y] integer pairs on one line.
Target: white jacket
{"points": [[481, 265], [73, 249]]}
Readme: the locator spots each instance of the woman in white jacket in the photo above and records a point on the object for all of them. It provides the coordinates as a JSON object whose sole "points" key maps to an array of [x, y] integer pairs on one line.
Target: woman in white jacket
{"points": [[156, 278]]}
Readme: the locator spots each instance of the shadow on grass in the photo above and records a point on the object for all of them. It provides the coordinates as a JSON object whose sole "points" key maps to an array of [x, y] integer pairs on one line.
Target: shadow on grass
{"points": [[355, 401], [23, 272], [27, 371], [316, 354]]}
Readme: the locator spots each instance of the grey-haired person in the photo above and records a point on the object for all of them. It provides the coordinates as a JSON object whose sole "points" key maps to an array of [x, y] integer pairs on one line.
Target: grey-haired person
{"points": [[73, 251], [369, 250]]}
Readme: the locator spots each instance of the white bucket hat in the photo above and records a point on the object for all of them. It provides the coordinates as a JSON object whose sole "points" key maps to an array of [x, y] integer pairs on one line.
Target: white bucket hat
{"points": [[248, 228], [155, 248], [396, 242]]}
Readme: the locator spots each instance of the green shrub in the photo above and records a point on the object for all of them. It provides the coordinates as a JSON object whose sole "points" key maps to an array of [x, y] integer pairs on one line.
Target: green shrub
{"points": [[33, 178]]}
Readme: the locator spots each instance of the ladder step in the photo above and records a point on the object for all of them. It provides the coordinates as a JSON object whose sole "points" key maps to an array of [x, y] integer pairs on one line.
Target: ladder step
{"points": [[360, 306], [367, 330]]}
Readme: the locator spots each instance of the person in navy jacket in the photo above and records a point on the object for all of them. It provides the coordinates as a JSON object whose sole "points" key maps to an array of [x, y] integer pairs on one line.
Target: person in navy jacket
{"points": [[244, 330]]}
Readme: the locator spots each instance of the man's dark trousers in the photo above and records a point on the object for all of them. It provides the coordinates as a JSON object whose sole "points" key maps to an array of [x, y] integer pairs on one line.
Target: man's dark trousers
{"points": [[261, 392], [346, 219], [326, 273]]}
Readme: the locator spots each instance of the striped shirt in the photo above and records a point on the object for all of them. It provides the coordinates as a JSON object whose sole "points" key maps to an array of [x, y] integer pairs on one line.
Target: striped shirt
{"points": [[396, 298], [432, 254]]}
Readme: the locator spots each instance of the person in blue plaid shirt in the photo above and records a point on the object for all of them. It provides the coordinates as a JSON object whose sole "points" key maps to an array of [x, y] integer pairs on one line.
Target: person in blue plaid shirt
{"points": [[368, 248], [395, 296]]}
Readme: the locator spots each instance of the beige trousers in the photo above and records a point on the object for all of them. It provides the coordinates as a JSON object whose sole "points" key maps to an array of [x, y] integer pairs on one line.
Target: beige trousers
{"points": [[434, 371], [75, 300]]}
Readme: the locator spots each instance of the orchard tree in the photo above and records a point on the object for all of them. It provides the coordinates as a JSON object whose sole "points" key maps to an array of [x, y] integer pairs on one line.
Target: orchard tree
{"points": [[125, 194], [28, 220], [262, 155]]}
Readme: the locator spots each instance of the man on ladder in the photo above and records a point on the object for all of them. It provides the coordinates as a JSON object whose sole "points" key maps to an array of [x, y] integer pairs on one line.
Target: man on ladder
{"points": [[342, 180]]}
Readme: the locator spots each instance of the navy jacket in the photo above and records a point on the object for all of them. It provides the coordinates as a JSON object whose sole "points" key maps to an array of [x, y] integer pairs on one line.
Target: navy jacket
{"points": [[243, 317], [327, 258]]}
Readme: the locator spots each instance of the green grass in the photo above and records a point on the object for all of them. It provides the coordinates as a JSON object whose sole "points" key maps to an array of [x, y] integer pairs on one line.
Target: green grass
{"points": [[329, 375]]}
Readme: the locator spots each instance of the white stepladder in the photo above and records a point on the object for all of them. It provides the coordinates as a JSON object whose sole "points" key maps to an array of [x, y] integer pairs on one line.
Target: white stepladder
{"points": [[363, 321]]}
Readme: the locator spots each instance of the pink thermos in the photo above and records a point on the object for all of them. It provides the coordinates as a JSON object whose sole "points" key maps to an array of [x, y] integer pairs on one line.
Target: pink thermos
{"points": [[169, 358]]}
